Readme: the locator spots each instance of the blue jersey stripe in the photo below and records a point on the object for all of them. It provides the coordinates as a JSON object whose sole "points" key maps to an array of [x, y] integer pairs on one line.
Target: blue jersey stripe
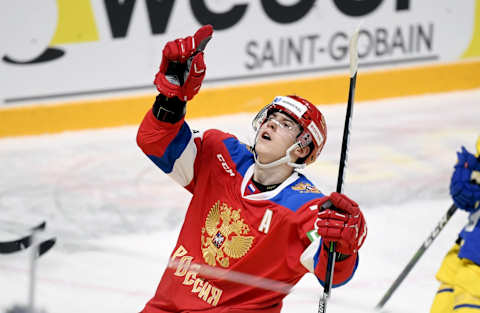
{"points": [[349, 278], [174, 150], [316, 257], [294, 199], [240, 154]]}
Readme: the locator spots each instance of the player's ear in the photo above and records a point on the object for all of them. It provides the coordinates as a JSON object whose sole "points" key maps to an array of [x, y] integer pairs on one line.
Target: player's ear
{"points": [[301, 152]]}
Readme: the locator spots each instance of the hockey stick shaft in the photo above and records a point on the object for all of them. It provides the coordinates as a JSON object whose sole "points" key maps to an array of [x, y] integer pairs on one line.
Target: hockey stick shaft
{"points": [[181, 267], [33, 271], [441, 224], [322, 306]]}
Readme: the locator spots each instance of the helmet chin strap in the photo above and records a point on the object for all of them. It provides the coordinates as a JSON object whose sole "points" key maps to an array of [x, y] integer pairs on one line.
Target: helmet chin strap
{"points": [[285, 159]]}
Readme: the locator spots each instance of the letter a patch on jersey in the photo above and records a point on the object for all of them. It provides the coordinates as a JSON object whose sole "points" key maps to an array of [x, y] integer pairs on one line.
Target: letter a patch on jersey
{"points": [[266, 220]]}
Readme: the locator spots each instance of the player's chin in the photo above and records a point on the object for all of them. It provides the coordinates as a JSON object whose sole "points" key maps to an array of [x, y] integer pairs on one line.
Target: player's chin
{"points": [[266, 156], [262, 147]]}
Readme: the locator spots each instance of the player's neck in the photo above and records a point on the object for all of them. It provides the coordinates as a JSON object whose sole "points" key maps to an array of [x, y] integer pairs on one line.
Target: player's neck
{"points": [[273, 175]]}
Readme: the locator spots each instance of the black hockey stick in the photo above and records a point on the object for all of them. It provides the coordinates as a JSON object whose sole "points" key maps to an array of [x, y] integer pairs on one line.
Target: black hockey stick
{"points": [[322, 305], [24, 243], [443, 221]]}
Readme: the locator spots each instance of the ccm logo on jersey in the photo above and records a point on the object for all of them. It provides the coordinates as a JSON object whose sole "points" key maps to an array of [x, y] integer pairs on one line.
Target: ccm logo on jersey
{"points": [[225, 165]]}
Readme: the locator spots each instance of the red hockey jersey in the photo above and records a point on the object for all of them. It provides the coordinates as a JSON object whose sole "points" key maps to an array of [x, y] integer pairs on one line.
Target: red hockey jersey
{"points": [[269, 235]]}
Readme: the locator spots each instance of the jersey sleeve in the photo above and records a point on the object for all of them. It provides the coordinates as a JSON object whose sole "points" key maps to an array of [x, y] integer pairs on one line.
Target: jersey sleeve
{"points": [[181, 153], [315, 256], [470, 249], [171, 147]]}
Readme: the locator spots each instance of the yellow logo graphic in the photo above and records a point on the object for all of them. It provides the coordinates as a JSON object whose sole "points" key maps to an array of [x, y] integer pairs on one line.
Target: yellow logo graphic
{"points": [[473, 49], [306, 188], [75, 23], [222, 236]]}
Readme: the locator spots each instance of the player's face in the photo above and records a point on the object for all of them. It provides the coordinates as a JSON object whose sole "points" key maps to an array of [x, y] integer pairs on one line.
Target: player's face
{"points": [[276, 135]]}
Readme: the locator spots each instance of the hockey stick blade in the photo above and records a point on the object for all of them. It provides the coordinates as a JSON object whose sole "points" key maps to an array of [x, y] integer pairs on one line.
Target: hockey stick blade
{"points": [[353, 54], [46, 245], [23, 243]]}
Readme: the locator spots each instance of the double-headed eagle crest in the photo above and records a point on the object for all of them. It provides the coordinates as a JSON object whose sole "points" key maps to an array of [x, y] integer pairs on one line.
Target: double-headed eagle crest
{"points": [[222, 236]]}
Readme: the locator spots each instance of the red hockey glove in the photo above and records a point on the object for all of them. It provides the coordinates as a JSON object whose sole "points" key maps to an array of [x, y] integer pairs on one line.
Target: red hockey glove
{"points": [[182, 69], [342, 222]]}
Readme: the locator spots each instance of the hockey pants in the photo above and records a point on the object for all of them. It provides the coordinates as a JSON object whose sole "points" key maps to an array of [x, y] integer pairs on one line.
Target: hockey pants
{"points": [[459, 291]]}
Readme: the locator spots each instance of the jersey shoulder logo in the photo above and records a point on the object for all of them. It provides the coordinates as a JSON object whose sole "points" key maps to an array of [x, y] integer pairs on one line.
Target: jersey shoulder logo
{"points": [[225, 166], [305, 188], [223, 236]]}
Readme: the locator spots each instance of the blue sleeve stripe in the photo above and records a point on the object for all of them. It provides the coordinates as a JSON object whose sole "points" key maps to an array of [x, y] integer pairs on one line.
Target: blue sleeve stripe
{"points": [[240, 154], [315, 262], [174, 150], [316, 257], [445, 290], [349, 278]]}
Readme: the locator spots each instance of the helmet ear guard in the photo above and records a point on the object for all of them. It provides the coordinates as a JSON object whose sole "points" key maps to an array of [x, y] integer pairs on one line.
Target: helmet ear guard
{"points": [[304, 139], [307, 116]]}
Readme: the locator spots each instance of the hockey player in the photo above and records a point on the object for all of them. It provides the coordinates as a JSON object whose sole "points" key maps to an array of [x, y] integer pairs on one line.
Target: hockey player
{"points": [[251, 212], [459, 273]]}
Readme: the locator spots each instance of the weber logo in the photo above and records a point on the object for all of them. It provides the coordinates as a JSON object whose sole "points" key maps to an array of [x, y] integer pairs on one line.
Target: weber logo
{"points": [[225, 165]]}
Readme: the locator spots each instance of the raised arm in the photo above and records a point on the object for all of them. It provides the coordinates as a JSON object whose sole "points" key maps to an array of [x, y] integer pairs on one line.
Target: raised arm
{"points": [[164, 136]]}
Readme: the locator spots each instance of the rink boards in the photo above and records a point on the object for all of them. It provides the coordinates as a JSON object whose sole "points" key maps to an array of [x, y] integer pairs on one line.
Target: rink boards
{"points": [[129, 110]]}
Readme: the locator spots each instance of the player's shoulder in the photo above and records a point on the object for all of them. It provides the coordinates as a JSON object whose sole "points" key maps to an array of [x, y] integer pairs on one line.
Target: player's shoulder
{"points": [[298, 193], [216, 136], [229, 147]]}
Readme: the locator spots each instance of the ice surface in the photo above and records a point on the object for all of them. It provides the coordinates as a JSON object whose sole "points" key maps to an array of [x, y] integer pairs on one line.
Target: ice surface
{"points": [[116, 215]]}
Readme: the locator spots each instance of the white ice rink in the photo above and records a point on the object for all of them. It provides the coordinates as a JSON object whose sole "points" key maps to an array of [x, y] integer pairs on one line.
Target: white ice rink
{"points": [[116, 216]]}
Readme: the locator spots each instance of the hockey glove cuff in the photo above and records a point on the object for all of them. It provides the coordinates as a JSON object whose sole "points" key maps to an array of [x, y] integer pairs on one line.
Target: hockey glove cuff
{"points": [[170, 110]]}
